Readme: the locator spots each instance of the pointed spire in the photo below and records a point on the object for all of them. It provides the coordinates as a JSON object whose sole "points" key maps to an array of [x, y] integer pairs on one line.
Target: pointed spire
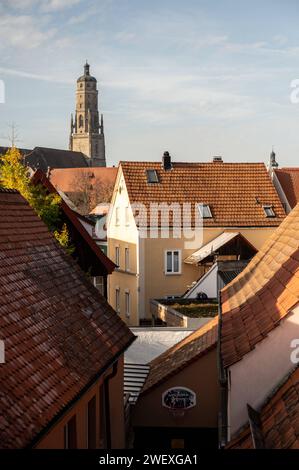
{"points": [[86, 68], [273, 162]]}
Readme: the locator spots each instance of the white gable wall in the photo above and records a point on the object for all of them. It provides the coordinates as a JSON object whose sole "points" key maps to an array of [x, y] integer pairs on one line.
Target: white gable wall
{"points": [[254, 377], [207, 284]]}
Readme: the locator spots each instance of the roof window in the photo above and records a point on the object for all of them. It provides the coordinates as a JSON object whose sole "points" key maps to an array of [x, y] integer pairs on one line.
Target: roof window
{"points": [[205, 211], [152, 176], [269, 211]]}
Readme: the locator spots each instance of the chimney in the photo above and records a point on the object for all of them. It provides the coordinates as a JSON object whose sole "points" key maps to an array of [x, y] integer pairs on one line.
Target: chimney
{"points": [[217, 159], [166, 161]]}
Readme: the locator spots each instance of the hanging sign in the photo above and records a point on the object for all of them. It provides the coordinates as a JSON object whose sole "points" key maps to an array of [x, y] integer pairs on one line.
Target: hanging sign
{"points": [[178, 398]]}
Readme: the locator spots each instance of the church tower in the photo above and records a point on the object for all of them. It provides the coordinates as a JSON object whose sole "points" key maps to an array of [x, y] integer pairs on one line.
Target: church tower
{"points": [[87, 129]]}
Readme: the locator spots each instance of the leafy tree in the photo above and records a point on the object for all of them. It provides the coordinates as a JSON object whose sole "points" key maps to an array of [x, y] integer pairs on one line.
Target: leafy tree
{"points": [[89, 191], [64, 239], [15, 175]]}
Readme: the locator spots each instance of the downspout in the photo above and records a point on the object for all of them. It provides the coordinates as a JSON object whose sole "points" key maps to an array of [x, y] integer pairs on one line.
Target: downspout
{"points": [[223, 382], [107, 404]]}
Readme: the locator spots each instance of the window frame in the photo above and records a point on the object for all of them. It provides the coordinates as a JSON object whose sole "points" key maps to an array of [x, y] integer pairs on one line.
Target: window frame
{"points": [[269, 207], [117, 256], [99, 285], [154, 172], [202, 208], [172, 272], [127, 258], [117, 216], [127, 216], [117, 300], [127, 304]]}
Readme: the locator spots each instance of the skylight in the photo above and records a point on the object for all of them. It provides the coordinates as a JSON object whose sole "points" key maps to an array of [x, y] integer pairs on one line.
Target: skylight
{"points": [[269, 211], [152, 176], [205, 211]]}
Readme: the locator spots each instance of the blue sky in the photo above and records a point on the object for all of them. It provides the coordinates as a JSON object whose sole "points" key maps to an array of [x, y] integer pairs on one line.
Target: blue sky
{"points": [[197, 78]]}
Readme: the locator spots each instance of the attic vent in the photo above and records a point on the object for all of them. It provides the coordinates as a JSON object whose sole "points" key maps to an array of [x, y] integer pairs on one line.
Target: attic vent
{"points": [[152, 176], [269, 211], [217, 159]]}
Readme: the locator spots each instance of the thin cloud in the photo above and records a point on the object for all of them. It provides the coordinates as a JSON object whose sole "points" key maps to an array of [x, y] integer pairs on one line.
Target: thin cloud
{"points": [[34, 76], [57, 5], [23, 31]]}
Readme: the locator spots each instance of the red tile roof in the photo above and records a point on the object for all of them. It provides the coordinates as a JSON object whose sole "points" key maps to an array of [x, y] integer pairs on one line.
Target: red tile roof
{"points": [[64, 179], [289, 181], [265, 292], [235, 192], [279, 419], [59, 333], [182, 354], [106, 265]]}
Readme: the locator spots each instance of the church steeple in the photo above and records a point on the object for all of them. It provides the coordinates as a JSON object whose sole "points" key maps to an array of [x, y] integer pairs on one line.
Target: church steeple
{"points": [[86, 69], [273, 162], [87, 134]]}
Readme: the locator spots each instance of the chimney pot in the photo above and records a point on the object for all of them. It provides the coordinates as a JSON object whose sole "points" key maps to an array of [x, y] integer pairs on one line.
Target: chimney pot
{"points": [[217, 159]]}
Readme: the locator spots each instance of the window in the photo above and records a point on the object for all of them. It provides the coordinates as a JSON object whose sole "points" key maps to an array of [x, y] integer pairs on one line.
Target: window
{"points": [[99, 283], [269, 211], [117, 256], [117, 215], [70, 434], [127, 303], [205, 211], [80, 120], [127, 214], [152, 176], [127, 259], [117, 300], [91, 424], [173, 262]]}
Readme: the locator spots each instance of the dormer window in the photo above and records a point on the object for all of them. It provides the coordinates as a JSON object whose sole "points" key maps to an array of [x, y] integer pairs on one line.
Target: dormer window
{"points": [[205, 211], [269, 211], [152, 176]]}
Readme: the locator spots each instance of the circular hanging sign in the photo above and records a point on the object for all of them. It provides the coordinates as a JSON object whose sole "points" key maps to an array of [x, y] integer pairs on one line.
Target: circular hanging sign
{"points": [[178, 398]]}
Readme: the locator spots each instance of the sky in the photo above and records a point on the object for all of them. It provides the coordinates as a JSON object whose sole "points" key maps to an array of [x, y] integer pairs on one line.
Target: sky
{"points": [[197, 78]]}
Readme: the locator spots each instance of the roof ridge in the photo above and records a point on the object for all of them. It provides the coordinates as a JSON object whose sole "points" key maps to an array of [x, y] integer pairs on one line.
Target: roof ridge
{"points": [[292, 168], [188, 339], [159, 362], [8, 190], [158, 162]]}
